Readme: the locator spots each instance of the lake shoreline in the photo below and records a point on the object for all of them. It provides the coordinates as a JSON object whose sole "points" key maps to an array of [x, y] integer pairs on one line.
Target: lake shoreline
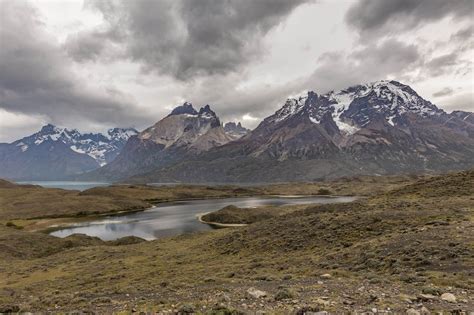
{"points": [[217, 224], [47, 228], [184, 212]]}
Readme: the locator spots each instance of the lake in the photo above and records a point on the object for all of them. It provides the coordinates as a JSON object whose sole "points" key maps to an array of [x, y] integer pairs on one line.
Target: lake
{"points": [[70, 185], [175, 218], [73, 185]]}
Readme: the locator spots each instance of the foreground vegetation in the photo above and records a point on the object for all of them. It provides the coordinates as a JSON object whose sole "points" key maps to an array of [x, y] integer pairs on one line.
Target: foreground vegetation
{"points": [[34, 207], [408, 246]]}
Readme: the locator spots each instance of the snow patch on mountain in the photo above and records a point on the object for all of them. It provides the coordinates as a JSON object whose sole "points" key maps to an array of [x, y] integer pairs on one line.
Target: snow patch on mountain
{"points": [[291, 107], [101, 148], [354, 108], [345, 127], [23, 147]]}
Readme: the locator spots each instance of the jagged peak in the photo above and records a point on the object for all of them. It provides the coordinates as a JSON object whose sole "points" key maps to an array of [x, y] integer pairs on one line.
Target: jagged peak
{"points": [[382, 88], [388, 98], [233, 125], [121, 130], [121, 133], [50, 128], [235, 130], [98, 146], [186, 108], [207, 112], [293, 105], [299, 96]]}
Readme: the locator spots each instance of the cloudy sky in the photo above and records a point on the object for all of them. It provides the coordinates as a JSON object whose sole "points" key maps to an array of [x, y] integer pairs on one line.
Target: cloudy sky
{"points": [[95, 64]]}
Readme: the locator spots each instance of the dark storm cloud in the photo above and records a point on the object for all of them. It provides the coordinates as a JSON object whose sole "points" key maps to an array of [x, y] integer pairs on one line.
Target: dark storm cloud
{"points": [[84, 46], [231, 103], [443, 64], [334, 71], [36, 76], [382, 16], [444, 92], [463, 39], [370, 63], [463, 34], [183, 38]]}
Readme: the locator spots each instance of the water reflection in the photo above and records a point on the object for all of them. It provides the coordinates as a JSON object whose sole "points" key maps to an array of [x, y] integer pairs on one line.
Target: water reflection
{"points": [[175, 218]]}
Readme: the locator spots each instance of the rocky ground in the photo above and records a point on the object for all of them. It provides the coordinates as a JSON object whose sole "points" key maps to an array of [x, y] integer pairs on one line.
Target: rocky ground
{"points": [[406, 249]]}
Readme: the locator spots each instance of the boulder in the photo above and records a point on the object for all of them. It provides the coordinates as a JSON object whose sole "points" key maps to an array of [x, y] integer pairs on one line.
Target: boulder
{"points": [[448, 297], [412, 311], [256, 294]]}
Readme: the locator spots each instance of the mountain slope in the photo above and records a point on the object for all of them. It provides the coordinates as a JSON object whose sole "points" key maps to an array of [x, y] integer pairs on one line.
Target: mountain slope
{"points": [[383, 127], [184, 133], [56, 153]]}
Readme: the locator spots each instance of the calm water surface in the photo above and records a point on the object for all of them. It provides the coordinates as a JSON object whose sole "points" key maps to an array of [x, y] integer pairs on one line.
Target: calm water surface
{"points": [[73, 185], [66, 184], [175, 218]]}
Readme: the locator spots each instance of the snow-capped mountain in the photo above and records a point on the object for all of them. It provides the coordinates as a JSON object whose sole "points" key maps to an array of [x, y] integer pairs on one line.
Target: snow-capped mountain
{"points": [[383, 127], [102, 148], [55, 152], [184, 132], [356, 107]]}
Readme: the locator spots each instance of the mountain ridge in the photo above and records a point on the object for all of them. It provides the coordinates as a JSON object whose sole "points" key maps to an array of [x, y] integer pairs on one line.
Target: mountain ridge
{"points": [[56, 153], [184, 132], [383, 127]]}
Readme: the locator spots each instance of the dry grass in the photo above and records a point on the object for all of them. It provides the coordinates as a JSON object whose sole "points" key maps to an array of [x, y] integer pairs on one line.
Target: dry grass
{"points": [[234, 215], [33, 202], [396, 245]]}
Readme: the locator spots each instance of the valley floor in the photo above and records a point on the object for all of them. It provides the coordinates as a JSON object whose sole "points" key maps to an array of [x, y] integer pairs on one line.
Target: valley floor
{"points": [[406, 247]]}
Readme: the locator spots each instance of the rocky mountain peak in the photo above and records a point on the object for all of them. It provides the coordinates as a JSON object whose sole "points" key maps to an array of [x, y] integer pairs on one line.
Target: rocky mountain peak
{"points": [[293, 105], [207, 112], [182, 127], [100, 147], [235, 130], [121, 133], [186, 108], [379, 127], [355, 107], [463, 115], [49, 129]]}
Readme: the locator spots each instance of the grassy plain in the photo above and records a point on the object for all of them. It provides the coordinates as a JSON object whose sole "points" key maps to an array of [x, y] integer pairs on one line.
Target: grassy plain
{"points": [[402, 247]]}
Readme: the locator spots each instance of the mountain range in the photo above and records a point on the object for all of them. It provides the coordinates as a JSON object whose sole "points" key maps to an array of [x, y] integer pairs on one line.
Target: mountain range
{"points": [[183, 134], [57, 153], [382, 127]]}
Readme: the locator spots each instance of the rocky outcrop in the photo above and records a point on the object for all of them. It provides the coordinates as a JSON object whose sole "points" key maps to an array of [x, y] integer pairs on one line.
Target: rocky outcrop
{"points": [[183, 134]]}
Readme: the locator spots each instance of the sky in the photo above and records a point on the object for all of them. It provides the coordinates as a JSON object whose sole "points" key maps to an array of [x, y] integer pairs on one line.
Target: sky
{"points": [[97, 64]]}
